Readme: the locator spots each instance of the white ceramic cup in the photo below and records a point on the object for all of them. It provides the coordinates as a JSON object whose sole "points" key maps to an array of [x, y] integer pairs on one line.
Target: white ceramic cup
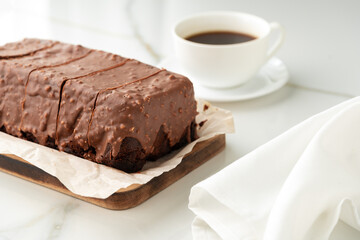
{"points": [[225, 66]]}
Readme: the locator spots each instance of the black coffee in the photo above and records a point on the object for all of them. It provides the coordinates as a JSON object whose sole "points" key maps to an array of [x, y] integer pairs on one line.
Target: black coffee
{"points": [[220, 37]]}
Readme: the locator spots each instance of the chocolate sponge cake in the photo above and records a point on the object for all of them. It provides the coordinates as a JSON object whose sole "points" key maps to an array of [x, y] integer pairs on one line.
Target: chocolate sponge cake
{"points": [[100, 106]]}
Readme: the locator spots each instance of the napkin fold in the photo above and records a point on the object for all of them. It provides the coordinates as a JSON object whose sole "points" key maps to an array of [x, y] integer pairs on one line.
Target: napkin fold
{"points": [[297, 186]]}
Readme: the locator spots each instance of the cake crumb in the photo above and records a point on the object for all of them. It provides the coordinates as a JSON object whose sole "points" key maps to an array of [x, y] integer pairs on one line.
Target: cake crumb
{"points": [[206, 107]]}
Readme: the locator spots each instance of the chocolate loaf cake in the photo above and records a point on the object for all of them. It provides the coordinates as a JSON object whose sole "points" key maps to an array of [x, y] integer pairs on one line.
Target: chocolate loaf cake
{"points": [[100, 106]]}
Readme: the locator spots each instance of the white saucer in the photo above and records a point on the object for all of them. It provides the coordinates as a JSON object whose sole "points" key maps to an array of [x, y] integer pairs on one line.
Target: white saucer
{"points": [[271, 77]]}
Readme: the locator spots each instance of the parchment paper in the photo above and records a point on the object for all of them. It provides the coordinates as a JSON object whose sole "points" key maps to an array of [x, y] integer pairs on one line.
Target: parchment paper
{"points": [[89, 179]]}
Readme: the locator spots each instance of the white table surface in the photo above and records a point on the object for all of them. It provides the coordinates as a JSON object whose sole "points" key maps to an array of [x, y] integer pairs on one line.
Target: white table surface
{"points": [[136, 29]]}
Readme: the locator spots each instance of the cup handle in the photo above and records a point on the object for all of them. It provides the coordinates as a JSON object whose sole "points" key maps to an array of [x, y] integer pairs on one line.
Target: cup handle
{"points": [[273, 49]]}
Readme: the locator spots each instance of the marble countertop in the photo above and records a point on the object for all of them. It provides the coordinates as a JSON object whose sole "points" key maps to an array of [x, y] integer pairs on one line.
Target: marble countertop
{"points": [[321, 76]]}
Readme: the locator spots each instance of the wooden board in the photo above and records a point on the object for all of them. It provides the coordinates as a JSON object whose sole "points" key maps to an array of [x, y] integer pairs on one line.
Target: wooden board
{"points": [[124, 198]]}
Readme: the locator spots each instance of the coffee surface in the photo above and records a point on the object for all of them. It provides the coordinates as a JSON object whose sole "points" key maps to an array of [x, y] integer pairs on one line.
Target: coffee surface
{"points": [[220, 38]]}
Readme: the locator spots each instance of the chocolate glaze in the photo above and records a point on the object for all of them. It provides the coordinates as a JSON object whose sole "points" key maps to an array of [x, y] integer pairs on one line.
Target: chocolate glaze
{"points": [[140, 110], [25, 47], [100, 106], [78, 98], [43, 89], [14, 73]]}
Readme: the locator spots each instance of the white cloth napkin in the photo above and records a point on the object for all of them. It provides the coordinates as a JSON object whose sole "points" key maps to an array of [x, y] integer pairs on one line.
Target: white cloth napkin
{"points": [[297, 186]]}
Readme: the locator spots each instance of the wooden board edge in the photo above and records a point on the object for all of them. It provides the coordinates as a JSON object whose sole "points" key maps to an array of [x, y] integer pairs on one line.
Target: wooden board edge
{"points": [[201, 153]]}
